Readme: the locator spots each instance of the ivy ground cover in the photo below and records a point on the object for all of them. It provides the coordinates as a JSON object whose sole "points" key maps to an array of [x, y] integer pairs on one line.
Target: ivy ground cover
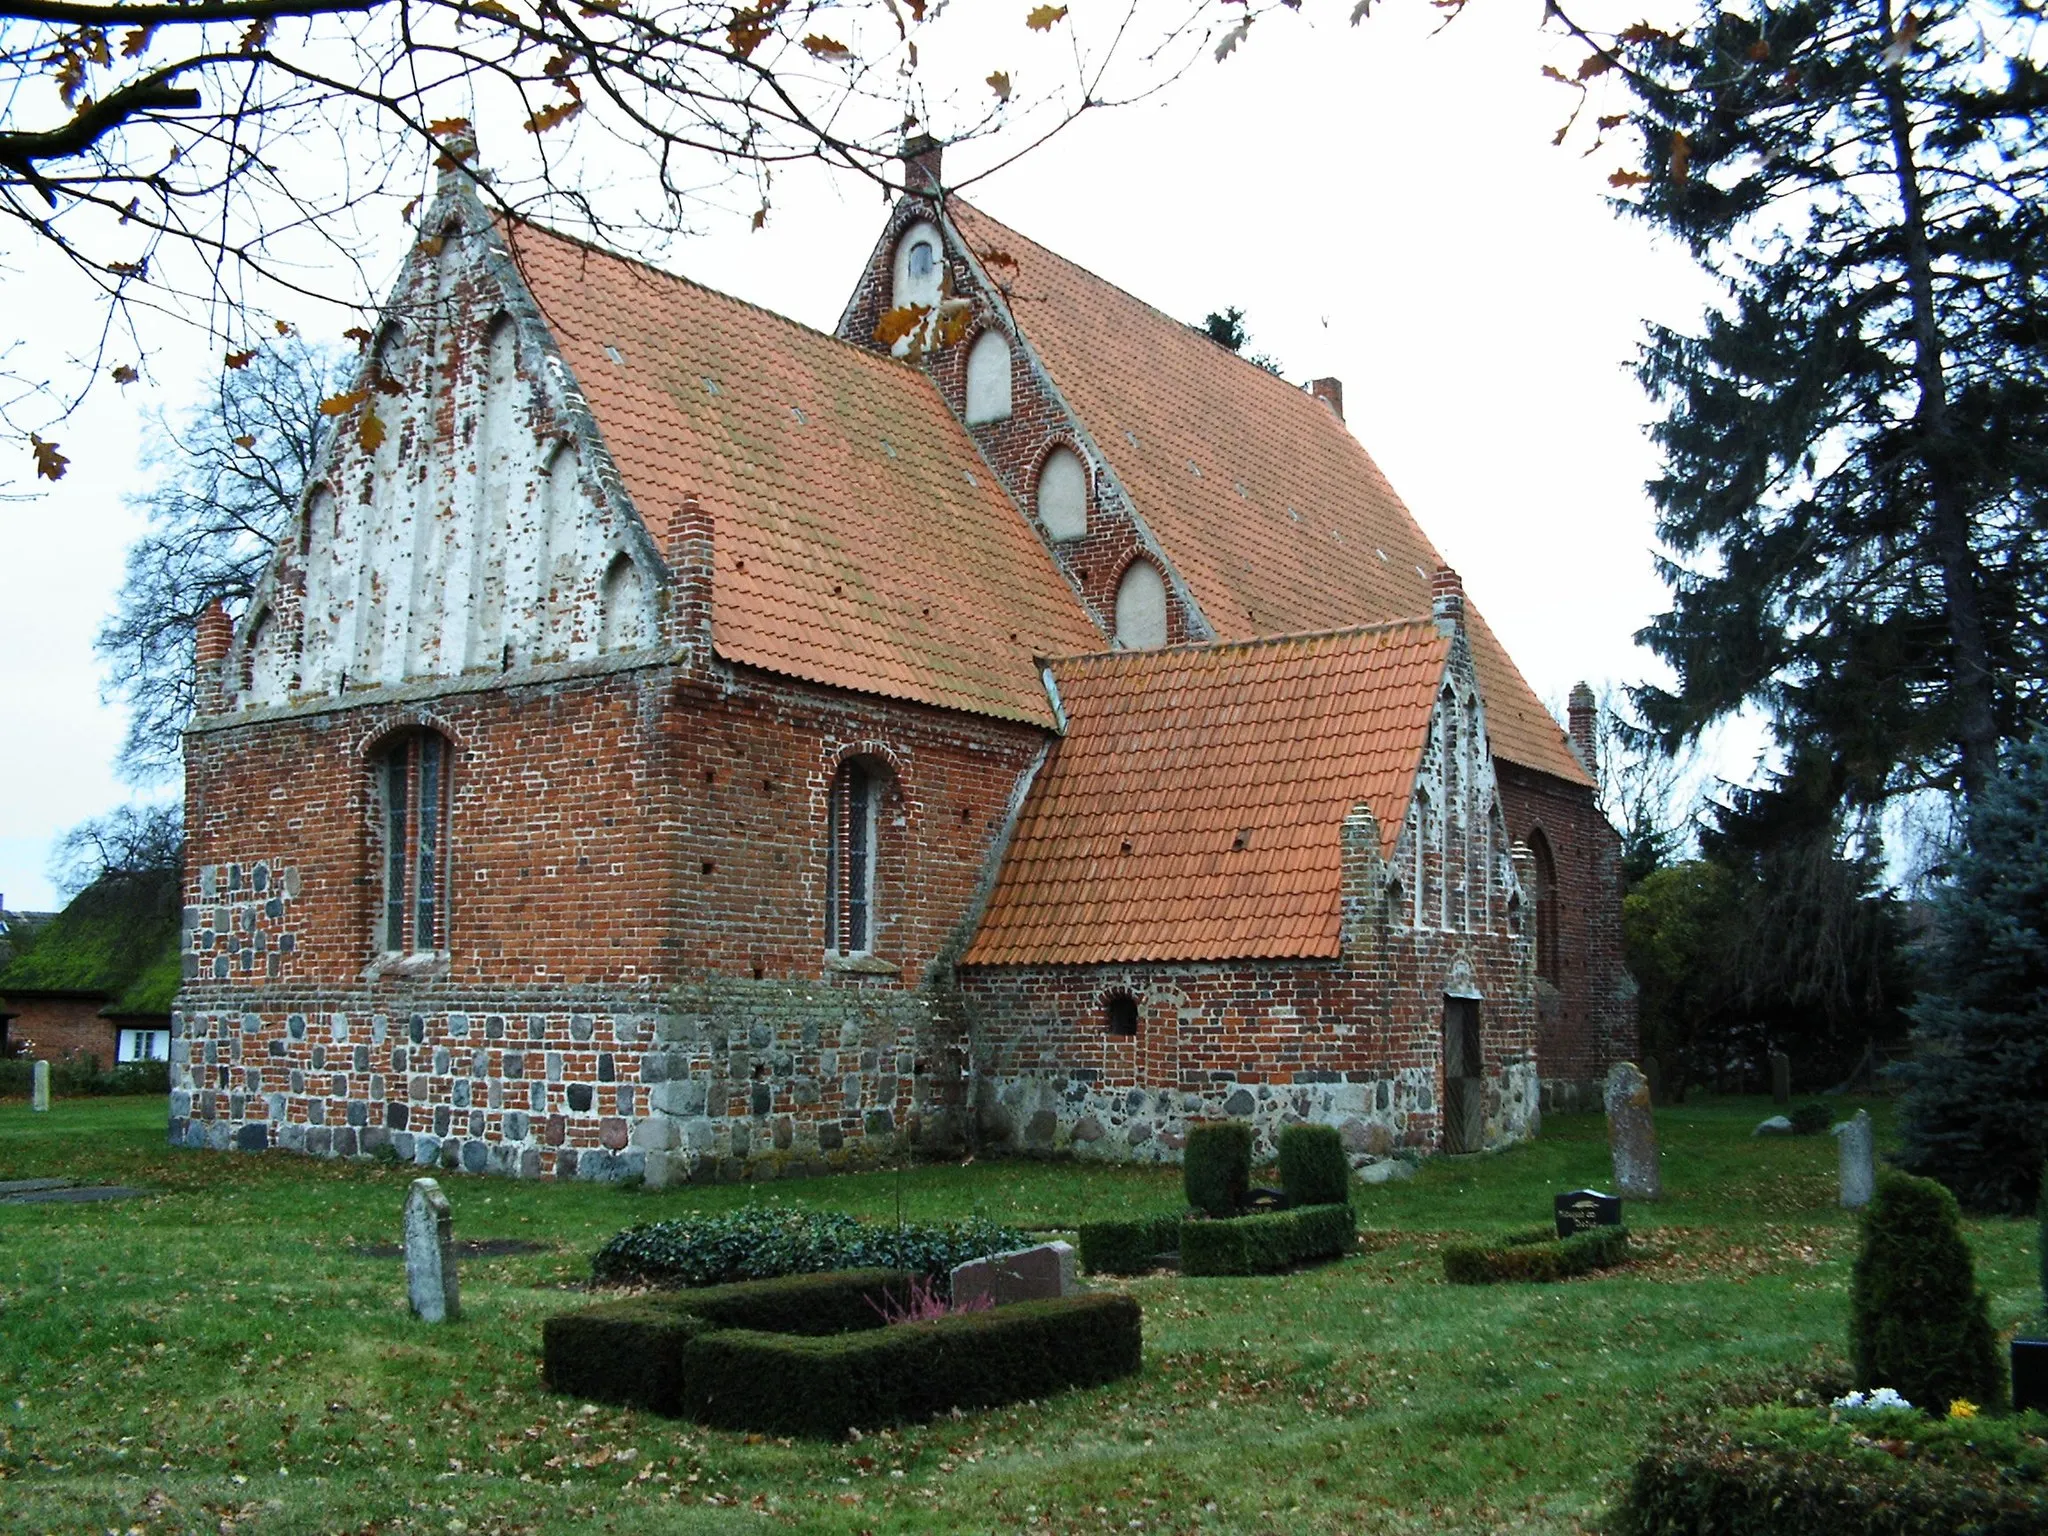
{"points": [[224, 1355]]}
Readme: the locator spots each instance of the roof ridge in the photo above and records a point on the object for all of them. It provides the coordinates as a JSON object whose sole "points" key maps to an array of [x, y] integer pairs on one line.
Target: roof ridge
{"points": [[1118, 288], [644, 265], [1249, 643]]}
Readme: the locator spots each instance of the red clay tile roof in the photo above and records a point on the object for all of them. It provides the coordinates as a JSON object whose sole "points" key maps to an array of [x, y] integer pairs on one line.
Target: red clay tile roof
{"points": [[860, 540], [1126, 848], [1289, 526]]}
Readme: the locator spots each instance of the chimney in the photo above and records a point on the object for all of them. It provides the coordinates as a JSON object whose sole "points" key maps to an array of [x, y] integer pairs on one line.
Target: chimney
{"points": [[1584, 715], [1330, 392], [921, 155], [1447, 600], [211, 638]]}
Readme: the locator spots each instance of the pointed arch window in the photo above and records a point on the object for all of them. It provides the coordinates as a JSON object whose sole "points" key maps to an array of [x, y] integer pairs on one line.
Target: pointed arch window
{"points": [[854, 821], [413, 796], [1546, 907]]}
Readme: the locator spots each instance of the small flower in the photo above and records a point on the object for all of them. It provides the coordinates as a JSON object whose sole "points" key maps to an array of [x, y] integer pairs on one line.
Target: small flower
{"points": [[1962, 1408]]}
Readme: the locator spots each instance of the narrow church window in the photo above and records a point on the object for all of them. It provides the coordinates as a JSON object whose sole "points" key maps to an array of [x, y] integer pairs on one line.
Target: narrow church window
{"points": [[1546, 907], [1425, 827], [988, 379], [1120, 1011], [1062, 494], [850, 859], [1141, 607], [413, 776]]}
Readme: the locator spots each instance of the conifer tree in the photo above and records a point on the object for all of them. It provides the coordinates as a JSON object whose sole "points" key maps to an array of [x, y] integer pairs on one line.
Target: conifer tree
{"points": [[1975, 1115], [1855, 442]]}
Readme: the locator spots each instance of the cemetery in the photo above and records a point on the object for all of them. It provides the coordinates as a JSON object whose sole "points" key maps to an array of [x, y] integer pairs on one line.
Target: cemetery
{"points": [[1023, 1345]]}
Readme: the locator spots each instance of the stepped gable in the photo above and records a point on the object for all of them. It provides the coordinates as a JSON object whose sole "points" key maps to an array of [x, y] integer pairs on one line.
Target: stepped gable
{"points": [[1194, 809], [1289, 526], [859, 539]]}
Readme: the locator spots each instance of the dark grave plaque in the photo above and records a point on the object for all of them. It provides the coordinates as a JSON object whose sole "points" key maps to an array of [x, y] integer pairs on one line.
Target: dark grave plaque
{"points": [[2030, 1375], [1582, 1210]]}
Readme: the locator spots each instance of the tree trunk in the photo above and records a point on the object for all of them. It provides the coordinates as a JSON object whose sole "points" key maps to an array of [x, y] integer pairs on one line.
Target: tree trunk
{"points": [[1975, 725]]}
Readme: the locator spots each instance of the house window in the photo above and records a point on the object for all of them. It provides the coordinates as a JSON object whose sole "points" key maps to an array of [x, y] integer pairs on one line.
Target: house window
{"points": [[1120, 1014], [142, 1045], [413, 782], [850, 859]]}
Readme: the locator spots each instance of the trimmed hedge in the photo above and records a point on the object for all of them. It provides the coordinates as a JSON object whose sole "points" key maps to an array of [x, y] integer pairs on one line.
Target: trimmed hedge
{"points": [[632, 1351], [779, 1383], [809, 1354], [1267, 1243], [1539, 1256], [760, 1242], [1773, 1472], [1313, 1167], [1918, 1321], [1216, 1166], [1127, 1247]]}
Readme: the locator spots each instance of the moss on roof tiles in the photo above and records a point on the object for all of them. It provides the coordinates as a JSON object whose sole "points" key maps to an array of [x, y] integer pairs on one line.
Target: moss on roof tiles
{"points": [[114, 940]]}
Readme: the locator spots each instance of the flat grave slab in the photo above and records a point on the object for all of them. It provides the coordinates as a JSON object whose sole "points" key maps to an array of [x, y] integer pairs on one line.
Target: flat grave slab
{"points": [[85, 1194], [32, 1186]]}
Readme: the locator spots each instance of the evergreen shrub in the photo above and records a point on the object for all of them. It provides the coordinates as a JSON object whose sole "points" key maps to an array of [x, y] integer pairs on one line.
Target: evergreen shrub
{"points": [[1811, 1119], [1919, 1324], [1313, 1167], [1781, 1471], [761, 1242], [1975, 1111], [1216, 1166], [1267, 1243], [1538, 1255], [1127, 1247]]}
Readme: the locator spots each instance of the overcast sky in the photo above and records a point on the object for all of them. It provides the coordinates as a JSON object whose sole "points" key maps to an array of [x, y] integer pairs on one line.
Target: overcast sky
{"points": [[1385, 205]]}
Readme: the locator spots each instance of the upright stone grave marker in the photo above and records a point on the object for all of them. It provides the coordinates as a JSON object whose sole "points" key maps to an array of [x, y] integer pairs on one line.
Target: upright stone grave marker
{"points": [[41, 1086], [1022, 1274], [1632, 1134], [1582, 1210], [1781, 1078], [1859, 1172], [430, 1254]]}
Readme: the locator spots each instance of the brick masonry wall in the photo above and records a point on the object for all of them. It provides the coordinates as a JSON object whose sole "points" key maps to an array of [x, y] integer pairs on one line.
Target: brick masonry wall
{"points": [[60, 1028], [635, 977], [1587, 1021]]}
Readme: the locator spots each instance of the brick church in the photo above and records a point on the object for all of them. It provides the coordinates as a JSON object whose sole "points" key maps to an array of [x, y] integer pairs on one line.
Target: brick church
{"points": [[676, 741]]}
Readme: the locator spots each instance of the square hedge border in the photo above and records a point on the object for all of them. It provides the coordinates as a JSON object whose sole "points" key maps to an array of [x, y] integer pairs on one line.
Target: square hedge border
{"points": [[809, 1355], [1536, 1256]]}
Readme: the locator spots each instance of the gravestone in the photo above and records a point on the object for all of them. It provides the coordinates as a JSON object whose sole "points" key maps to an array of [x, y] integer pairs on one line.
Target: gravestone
{"points": [[1632, 1134], [1781, 1078], [1023, 1274], [1582, 1210], [1777, 1125], [430, 1254], [41, 1090], [1859, 1172]]}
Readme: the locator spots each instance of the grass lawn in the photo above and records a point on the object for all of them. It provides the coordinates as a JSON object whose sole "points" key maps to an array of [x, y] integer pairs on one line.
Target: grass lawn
{"points": [[216, 1357]]}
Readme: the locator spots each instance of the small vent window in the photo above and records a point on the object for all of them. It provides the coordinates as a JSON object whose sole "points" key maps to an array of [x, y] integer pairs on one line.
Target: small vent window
{"points": [[1120, 1015], [918, 271]]}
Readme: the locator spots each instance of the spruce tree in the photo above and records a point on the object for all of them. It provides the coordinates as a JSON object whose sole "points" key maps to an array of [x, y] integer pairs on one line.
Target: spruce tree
{"points": [[1855, 440], [1975, 1113]]}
